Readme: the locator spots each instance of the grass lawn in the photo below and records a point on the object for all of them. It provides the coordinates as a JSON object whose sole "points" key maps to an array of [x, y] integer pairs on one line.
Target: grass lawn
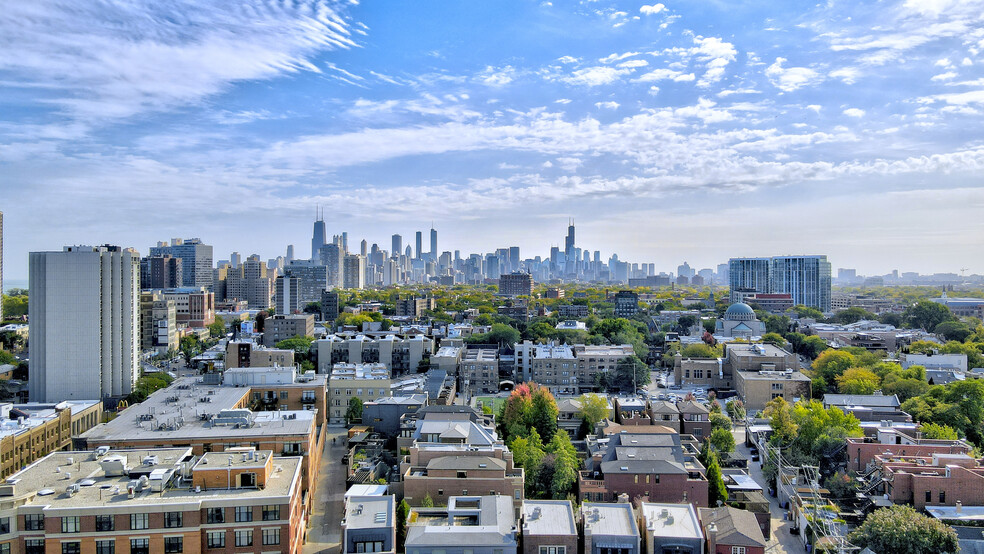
{"points": [[493, 401]]}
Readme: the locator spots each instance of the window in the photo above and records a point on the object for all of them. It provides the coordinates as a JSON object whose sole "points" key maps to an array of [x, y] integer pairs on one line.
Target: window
{"points": [[271, 513], [215, 539], [105, 523], [34, 522], [4, 525], [139, 546], [244, 513], [283, 395], [5, 548], [698, 431], [929, 496], [34, 546], [942, 497], [74, 547], [105, 547], [517, 493], [375, 546], [553, 550], [737, 550], [173, 544], [214, 515], [70, 524], [173, 519], [139, 521], [272, 536], [244, 538]]}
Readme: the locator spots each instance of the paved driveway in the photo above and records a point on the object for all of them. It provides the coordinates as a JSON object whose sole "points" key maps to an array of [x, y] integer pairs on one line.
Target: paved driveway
{"points": [[325, 531]]}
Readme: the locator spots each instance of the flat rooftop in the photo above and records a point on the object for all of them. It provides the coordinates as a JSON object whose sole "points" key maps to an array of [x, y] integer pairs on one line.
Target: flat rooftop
{"points": [[548, 517], [672, 520], [180, 412], [480, 355], [39, 414], [58, 470], [609, 519], [369, 512]]}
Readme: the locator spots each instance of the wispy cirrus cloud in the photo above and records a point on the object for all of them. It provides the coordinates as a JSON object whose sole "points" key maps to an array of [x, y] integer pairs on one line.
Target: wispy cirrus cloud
{"points": [[102, 60]]}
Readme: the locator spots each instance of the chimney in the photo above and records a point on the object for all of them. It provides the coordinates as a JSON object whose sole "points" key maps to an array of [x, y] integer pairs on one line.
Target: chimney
{"points": [[959, 507], [712, 531]]}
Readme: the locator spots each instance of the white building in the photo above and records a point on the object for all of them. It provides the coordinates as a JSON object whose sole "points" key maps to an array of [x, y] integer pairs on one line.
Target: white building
{"points": [[85, 313]]}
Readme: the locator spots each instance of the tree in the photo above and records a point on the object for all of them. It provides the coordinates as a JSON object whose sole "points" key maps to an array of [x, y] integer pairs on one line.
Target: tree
{"points": [[564, 467], [926, 315], [529, 407], [402, 513], [722, 440], [857, 380], [903, 530], [935, 431], [803, 311], [774, 338], [716, 489], [299, 344], [217, 328], [630, 373], [698, 350], [736, 409], [720, 421], [354, 411], [502, 335], [832, 363], [953, 330], [594, 408], [15, 305], [853, 315], [813, 346], [781, 419], [427, 501], [841, 485], [261, 317]]}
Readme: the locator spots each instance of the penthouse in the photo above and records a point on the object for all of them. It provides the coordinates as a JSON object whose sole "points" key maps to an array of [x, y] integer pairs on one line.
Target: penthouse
{"points": [[213, 418], [155, 500]]}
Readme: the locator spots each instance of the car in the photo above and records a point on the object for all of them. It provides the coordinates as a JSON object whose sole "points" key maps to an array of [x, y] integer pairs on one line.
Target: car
{"points": [[755, 456], [662, 397], [661, 385]]}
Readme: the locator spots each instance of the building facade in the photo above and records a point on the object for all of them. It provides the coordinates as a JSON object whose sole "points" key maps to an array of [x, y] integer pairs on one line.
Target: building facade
{"points": [[196, 260], [85, 333]]}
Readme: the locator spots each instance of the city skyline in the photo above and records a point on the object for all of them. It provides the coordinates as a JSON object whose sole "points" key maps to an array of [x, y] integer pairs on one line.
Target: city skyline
{"points": [[669, 132]]}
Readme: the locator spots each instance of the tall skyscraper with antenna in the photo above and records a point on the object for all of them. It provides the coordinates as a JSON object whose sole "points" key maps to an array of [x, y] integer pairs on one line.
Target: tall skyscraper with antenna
{"points": [[319, 237], [434, 252]]}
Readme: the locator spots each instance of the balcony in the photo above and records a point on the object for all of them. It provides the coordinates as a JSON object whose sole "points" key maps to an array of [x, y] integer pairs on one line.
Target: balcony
{"points": [[308, 400]]}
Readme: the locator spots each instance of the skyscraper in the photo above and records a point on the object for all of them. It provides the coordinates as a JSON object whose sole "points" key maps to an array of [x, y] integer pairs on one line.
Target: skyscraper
{"points": [[747, 276], [419, 252], [433, 244], [569, 241], [196, 260], [318, 238], [806, 278], [397, 248], [235, 259], [290, 253], [84, 335]]}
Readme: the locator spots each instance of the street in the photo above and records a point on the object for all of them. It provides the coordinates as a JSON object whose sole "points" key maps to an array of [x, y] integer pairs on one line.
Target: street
{"points": [[325, 530], [782, 541]]}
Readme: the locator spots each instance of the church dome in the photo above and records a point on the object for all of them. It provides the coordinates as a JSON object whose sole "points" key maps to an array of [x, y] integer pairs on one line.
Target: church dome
{"points": [[739, 312]]}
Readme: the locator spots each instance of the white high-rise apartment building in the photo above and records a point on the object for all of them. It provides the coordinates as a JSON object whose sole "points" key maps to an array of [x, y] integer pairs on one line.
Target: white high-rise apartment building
{"points": [[85, 314]]}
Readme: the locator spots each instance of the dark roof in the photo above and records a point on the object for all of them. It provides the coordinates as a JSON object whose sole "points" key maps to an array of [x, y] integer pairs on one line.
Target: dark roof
{"points": [[734, 527], [692, 407], [643, 466], [664, 407]]}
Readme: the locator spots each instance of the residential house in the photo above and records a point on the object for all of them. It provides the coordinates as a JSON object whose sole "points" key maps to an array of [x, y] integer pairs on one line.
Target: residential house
{"points": [[548, 527], [670, 529], [468, 524], [369, 524], [731, 531], [609, 529]]}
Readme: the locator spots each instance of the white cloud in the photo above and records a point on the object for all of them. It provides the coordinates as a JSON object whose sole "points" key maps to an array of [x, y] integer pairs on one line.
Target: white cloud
{"points": [[569, 164], [497, 77], [617, 57], [562, 101], [814, 107], [633, 63], [652, 9], [595, 76], [607, 105], [568, 59], [949, 75], [729, 92], [114, 60], [847, 75], [791, 78], [854, 112], [661, 74]]}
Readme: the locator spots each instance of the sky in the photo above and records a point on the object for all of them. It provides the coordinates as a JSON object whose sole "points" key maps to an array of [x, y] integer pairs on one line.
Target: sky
{"points": [[695, 130]]}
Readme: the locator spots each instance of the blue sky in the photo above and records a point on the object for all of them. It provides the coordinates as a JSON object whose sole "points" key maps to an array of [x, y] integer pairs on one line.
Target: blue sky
{"points": [[670, 131]]}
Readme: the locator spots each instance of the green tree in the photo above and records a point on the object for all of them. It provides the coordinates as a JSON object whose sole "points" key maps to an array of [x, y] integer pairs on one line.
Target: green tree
{"points": [[812, 347], [736, 409], [774, 338], [299, 344], [903, 530], [716, 489], [852, 315], [780, 416], [720, 421], [926, 314], [831, 364], [807, 312], [935, 431], [15, 305], [503, 335], [594, 408], [354, 411], [427, 502], [700, 350], [841, 485], [953, 330], [564, 467], [217, 328], [528, 407], [722, 440], [402, 513]]}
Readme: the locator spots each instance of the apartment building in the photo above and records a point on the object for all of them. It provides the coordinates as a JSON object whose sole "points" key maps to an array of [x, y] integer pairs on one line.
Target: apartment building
{"points": [[246, 353], [479, 371], [670, 528], [401, 353], [215, 417], [193, 306], [158, 323], [474, 524], [155, 500], [29, 432], [610, 528], [367, 382], [548, 527], [595, 360], [369, 524], [281, 327]]}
